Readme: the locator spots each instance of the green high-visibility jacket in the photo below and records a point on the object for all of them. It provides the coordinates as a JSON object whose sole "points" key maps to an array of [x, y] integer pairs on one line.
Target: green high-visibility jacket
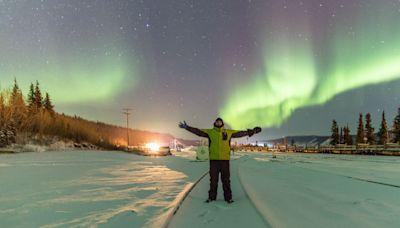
{"points": [[219, 140]]}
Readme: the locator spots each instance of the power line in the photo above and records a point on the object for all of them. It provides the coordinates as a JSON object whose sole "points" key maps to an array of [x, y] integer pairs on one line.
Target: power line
{"points": [[127, 113]]}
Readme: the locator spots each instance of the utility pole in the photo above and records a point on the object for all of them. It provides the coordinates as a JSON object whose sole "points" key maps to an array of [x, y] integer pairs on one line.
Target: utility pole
{"points": [[127, 113]]}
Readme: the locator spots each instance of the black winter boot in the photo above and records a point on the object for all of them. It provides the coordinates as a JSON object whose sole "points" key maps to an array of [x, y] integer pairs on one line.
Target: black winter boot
{"points": [[209, 200]]}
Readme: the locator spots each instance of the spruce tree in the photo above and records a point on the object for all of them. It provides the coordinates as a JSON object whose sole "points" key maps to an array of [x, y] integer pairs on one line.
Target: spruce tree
{"points": [[396, 128], [348, 139], [31, 98], [360, 130], [17, 106], [47, 104], [38, 97], [15, 93], [335, 133], [344, 135], [369, 129], [341, 136], [383, 131], [16, 99]]}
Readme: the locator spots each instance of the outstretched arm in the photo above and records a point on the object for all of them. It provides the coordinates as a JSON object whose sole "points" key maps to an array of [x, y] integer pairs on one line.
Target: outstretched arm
{"points": [[193, 130], [248, 132]]}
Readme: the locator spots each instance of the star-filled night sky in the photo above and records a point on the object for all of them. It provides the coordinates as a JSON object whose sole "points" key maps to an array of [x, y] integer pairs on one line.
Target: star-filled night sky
{"points": [[287, 66]]}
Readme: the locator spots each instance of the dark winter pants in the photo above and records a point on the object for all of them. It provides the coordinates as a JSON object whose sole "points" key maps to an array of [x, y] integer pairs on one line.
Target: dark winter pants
{"points": [[216, 167]]}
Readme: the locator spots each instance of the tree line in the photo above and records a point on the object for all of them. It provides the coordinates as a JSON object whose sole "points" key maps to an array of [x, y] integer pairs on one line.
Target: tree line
{"points": [[33, 116], [366, 133]]}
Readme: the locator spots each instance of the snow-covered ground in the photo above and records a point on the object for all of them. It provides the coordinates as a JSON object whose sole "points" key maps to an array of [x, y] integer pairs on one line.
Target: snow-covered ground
{"points": [[115, 189], [90, 188], [299, 190]]}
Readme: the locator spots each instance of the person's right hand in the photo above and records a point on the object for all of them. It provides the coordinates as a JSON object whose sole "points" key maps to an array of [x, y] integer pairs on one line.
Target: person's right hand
{"points": [[257, 130], [183, 125]]}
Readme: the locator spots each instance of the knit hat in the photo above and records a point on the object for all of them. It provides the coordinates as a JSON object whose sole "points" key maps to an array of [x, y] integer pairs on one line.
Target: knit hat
{"points": [[220, 120]]}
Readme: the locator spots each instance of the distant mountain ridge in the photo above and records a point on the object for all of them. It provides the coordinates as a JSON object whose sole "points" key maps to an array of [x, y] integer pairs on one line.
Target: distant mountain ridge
{"points": [[310, 140]]}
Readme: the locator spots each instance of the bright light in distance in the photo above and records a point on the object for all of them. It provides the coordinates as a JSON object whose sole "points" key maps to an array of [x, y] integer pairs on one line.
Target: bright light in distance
{"points": [[153, 146]]}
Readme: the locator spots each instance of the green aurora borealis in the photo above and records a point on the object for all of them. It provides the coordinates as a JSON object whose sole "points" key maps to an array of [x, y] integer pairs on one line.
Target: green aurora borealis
{"points": [[290, 79], [78, 75]]}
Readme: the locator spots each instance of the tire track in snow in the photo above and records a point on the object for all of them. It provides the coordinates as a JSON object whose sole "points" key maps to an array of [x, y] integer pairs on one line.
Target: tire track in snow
{"points": [[179, 200], [371, 181], [336, 174], [351, 177]]}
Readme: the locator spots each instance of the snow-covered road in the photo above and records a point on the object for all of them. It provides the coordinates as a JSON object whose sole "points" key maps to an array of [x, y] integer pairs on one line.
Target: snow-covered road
{"points": [[194, 212]]}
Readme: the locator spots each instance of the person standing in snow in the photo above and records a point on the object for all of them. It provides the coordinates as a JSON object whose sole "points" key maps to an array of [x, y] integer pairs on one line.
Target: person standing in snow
{"points": [[219, 145]]}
